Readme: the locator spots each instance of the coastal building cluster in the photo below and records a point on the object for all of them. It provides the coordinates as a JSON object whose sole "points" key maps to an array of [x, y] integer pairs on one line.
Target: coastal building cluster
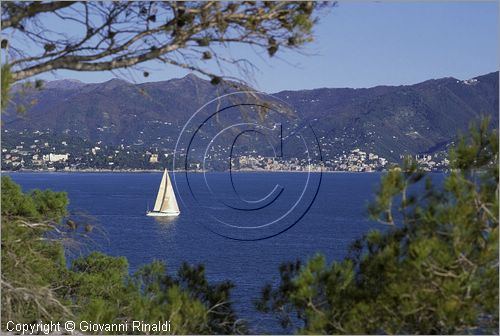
{"points": [[256, 163], [41, 151], [355, 160], [429, 162], [358, 161]]}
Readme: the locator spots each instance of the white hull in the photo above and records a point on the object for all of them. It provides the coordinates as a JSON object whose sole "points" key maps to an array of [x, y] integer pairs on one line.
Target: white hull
{"points": [[162, 214]]}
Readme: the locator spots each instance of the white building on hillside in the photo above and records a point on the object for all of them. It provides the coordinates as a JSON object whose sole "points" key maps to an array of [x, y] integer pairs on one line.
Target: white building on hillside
{"points": [[55, 157]]}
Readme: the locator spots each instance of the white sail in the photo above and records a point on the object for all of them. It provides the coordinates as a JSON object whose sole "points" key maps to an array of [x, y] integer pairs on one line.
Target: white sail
{"points": [[166, 203], [161, 192], [169, 200]]}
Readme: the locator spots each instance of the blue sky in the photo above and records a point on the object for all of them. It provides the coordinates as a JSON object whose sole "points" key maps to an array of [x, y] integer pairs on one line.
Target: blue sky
{"points": [[364, 44]]}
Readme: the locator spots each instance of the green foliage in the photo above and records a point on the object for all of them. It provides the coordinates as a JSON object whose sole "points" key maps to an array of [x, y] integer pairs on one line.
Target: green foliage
{"points": [[98, 285], [6, 83], [205, 308], [39, 83], [435, 270], [32, 264], [49, 203], [37, 284], [14, 202], [106, 294], [36, 205]]}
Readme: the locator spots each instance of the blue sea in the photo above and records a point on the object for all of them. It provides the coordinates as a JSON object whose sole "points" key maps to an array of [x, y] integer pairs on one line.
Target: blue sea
{"points": [[226, 223]]}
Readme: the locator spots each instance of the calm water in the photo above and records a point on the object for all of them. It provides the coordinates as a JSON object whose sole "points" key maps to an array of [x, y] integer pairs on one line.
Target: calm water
{"points": [[117, 202]]}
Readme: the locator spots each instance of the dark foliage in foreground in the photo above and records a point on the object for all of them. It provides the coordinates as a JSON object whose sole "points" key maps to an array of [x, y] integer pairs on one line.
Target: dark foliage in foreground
{"points": [[435, 271], [37, 284]]}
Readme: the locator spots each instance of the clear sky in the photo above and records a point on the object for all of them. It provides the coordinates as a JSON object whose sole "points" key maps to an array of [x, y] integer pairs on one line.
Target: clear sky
{"points": [[363, 44]]}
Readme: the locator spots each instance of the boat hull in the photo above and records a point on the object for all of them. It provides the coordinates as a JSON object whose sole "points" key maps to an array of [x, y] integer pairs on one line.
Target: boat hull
{"points": [[162, 214]]}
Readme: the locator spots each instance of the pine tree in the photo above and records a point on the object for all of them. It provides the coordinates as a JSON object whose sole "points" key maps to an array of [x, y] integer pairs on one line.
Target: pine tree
{"points": [[434, 270]]}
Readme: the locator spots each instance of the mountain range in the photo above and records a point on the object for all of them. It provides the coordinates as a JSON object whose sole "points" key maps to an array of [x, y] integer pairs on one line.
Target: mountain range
{"points": [[386, 120]]}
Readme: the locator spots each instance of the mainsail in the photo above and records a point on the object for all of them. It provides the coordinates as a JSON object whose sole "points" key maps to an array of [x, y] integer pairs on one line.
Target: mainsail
{"points": [[165, 200]]}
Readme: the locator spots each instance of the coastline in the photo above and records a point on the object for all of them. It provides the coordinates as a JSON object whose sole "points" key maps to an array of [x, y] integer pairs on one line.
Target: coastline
{"points": [[110, 171]]}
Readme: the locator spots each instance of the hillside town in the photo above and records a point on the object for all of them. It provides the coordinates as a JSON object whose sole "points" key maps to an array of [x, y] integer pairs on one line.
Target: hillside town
{"points": [[40, 152]]}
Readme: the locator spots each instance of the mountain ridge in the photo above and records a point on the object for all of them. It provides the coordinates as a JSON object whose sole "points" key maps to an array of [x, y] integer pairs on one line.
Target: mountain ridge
{"points": [[194, 76], [387, 120]]}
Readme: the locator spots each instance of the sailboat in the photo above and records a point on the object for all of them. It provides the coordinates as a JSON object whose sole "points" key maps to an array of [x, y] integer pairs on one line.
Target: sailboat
{"points": [[166, 203]]}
